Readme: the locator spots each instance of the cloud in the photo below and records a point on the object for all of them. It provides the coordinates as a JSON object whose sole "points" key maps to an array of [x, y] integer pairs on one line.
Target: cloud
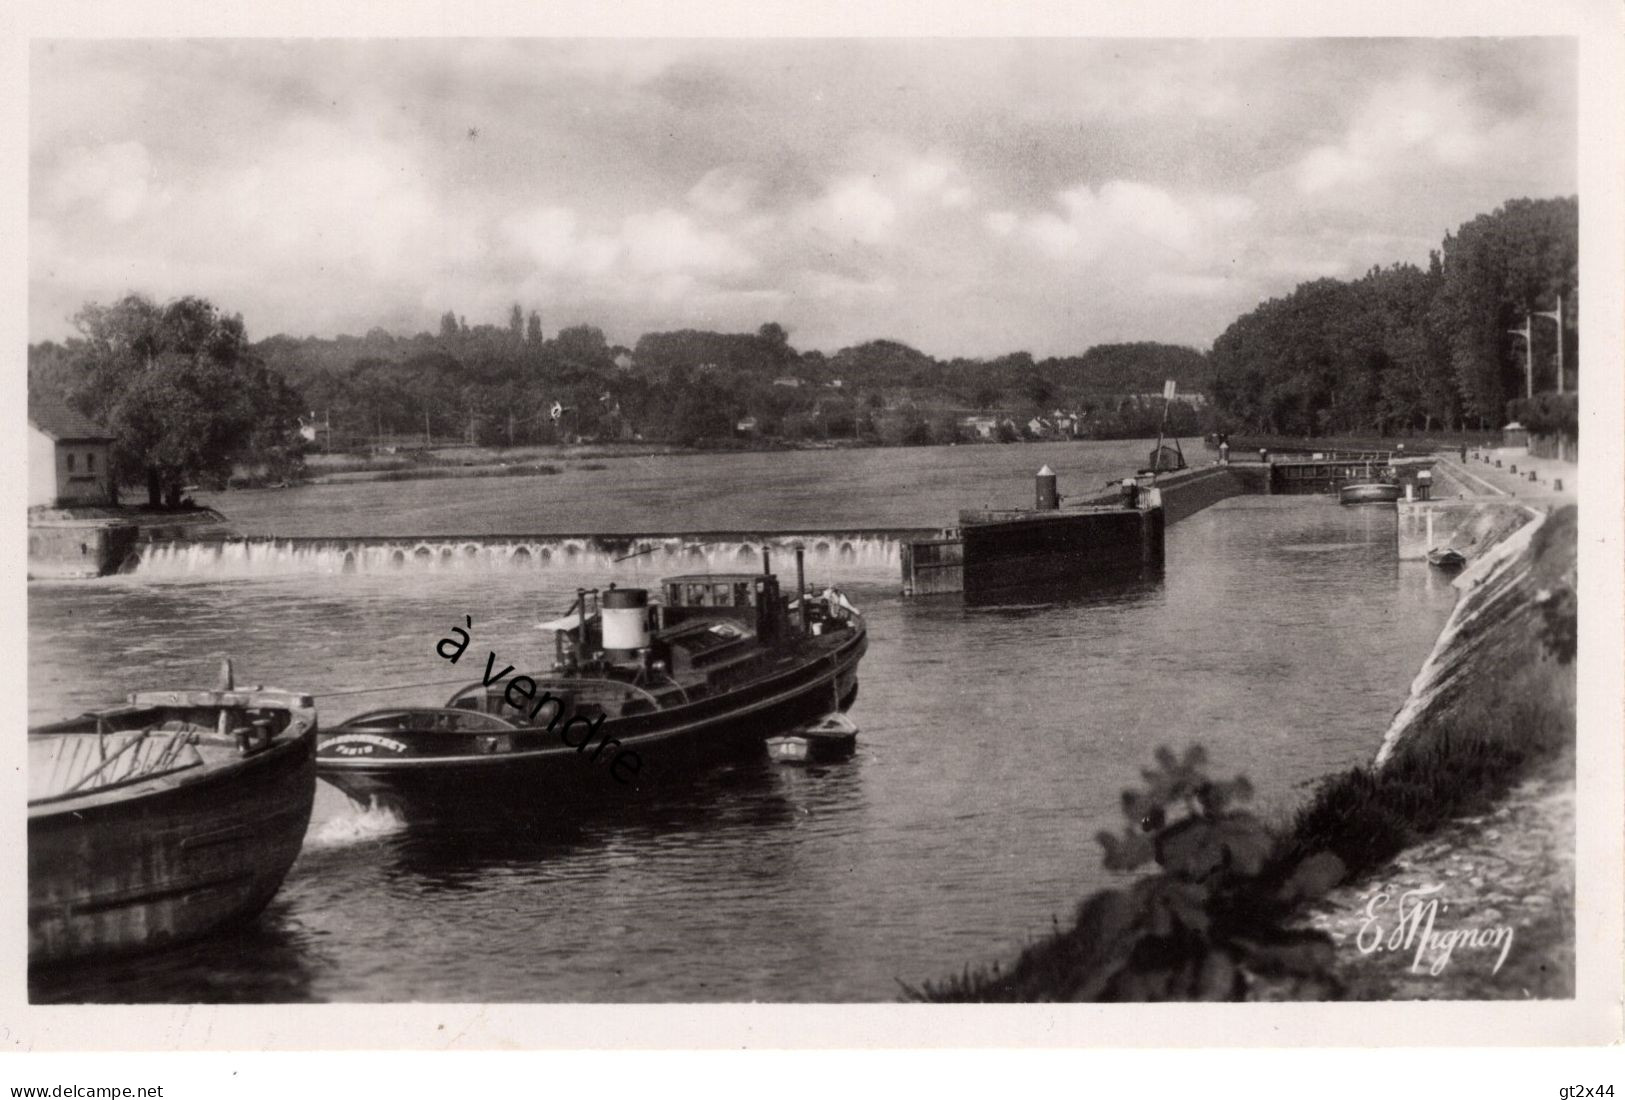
{"points": [[852, 210], [1413, 120], [665, 242], [724, 191], [1181, 285], [549, 239], [969, 196], [663, 255], [1126, 214], [111, 180]]}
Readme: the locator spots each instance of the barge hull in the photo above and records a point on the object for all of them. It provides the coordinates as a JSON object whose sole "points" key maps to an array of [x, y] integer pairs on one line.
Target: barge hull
{"points": [[125, 875]]}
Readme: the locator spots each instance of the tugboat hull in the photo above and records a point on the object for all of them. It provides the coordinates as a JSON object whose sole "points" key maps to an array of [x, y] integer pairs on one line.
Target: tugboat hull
{"points": [[545, 774]]}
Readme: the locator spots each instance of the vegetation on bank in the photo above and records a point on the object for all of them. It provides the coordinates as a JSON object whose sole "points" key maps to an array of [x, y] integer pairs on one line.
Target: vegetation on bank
{"points": [[189, 399], [1548, 413], [179, 390], [1404, 347], [1216, 921]]}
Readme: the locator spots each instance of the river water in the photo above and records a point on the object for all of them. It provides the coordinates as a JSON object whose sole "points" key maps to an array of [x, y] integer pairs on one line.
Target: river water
{"points": [[994, 742]]}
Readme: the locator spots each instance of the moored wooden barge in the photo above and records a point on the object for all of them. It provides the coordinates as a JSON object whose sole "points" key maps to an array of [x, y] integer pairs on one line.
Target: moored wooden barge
{"points": [[164, 819]]}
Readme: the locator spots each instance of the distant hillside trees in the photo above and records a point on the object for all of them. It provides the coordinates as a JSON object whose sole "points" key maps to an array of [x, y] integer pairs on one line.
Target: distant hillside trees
{"points": [[497, 385], [1406, 348], [179, 389], [693, 386]]}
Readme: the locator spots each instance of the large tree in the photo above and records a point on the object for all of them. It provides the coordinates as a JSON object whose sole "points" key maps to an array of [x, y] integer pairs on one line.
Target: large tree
{"points": [[180, 392], [1497, 268], [1406, 348]]}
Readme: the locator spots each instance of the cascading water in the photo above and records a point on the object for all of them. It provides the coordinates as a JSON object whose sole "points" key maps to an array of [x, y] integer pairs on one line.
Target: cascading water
{"points": [[859, 556]]}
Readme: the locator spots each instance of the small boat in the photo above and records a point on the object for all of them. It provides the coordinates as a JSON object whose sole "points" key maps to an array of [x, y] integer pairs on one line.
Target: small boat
{"points": [[1445, 557], [638, 693], [165, 818], [830, 738], [1369, 492]]}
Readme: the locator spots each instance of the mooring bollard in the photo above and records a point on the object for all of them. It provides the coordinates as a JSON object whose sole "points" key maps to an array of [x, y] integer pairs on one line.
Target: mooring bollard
{"points": [[1557, 484], [1514, 468], [1497, 464], [1532, 475]]}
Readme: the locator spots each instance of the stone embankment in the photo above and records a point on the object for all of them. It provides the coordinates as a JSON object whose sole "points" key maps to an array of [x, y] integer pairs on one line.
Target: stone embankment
{"points": [[1505, 875], [87, 541]]}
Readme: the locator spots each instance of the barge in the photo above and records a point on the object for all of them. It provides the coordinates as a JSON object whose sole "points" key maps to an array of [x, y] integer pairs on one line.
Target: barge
{"points": [[638, 693], [164, 819]]}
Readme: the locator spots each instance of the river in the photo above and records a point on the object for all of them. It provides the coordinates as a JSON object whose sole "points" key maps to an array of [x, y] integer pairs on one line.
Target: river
{"points": [[994, 742]]}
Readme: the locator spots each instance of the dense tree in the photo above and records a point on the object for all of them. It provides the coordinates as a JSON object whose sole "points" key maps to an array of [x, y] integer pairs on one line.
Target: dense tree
{"points": [[582, 345], [1496, 269], [1405, 348], [180, 391]]}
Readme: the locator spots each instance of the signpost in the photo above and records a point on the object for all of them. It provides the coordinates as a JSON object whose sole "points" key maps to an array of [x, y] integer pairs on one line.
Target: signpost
{"points": [[1168, 390]]}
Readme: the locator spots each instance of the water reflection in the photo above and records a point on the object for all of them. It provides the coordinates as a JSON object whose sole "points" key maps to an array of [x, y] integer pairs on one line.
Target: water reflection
{"points": [[1121, 589], [994, 743], [272, 959]]}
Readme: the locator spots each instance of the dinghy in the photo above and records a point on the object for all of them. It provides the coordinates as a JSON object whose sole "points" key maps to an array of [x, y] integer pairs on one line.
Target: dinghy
{"points": [[830, 738]]}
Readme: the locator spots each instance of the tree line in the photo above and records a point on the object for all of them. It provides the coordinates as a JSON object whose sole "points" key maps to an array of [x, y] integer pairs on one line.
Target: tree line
{"points": [[151, 372], [188, 396], [1404, 347]]}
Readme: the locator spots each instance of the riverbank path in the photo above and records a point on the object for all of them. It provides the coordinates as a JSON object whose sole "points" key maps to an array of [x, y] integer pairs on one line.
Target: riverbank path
{"points": [[1556, 482]]}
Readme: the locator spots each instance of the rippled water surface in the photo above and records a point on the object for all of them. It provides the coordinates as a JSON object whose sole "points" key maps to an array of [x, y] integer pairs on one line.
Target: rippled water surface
{"points": [[995, 742]]}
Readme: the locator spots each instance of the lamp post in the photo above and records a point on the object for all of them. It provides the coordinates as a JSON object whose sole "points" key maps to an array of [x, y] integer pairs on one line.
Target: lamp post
{"points": [[1528, 356], [1557, 315]]}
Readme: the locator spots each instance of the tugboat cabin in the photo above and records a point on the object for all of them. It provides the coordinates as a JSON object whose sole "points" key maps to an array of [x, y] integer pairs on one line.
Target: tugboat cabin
{"points": [[749, 598]]}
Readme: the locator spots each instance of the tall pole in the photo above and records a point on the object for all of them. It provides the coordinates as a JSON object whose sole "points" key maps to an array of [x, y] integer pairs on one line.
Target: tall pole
{"points": [[1557, 315], [1528, 356]]}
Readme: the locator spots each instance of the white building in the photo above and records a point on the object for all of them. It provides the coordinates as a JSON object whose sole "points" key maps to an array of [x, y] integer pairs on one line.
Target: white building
{"points": [[69, 458]]}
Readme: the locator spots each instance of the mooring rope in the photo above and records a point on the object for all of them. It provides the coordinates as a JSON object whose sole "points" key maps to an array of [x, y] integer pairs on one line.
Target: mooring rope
{"points": [[319, 695]]}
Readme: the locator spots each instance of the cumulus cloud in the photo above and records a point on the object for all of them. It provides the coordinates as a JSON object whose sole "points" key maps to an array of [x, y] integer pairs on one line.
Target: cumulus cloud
{"points": [[1126, 214], [852, 210], [663, 255], [724, 191], [1417, 119], [969, 196], [665, 242], [112, 180]]}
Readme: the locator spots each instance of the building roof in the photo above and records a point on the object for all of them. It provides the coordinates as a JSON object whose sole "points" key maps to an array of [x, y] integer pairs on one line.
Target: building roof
{"points": [[63, 423]]}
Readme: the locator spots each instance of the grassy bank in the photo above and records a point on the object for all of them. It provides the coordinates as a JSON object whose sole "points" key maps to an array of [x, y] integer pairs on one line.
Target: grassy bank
{"points": [[1217, 919]]}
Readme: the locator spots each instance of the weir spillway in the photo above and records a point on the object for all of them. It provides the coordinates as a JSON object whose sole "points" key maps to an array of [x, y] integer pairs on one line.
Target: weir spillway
{"points": [[859, 554]]}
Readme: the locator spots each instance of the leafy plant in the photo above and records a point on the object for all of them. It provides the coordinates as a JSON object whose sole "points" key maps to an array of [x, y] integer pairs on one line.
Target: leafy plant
{"points": [[1209, 925]]}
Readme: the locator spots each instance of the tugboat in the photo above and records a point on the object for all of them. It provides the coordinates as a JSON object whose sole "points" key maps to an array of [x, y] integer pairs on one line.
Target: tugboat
{"points": [[638, 693], [164, 819]]}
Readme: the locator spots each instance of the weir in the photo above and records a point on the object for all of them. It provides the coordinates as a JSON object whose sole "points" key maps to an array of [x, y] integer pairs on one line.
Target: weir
{"points": [[859, 554]]}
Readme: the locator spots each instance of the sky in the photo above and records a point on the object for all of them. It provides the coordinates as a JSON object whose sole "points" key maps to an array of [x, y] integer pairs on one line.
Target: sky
{"points": [[968, 197]]}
